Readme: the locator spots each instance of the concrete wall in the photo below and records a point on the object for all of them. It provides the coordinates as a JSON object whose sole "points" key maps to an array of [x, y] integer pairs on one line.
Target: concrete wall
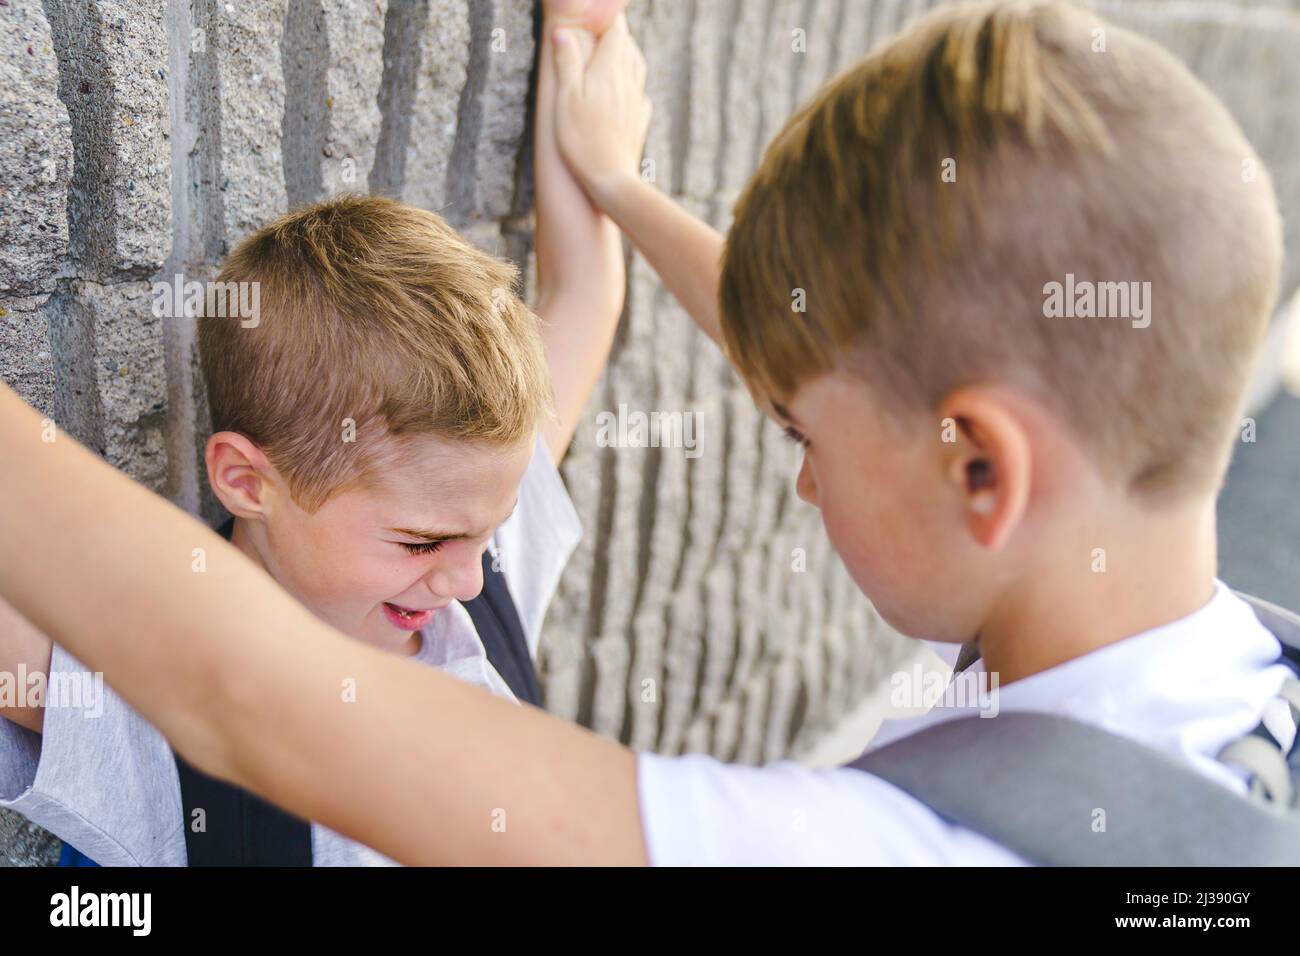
{"points": [[140, 139]]}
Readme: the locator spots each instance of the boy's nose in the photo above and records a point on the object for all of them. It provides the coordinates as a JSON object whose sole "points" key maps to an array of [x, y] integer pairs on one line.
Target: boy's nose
{"points": [[462, 580]]}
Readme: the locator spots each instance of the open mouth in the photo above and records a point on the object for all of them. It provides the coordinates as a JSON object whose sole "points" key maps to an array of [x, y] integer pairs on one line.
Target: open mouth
{"points": [[408, 619]]}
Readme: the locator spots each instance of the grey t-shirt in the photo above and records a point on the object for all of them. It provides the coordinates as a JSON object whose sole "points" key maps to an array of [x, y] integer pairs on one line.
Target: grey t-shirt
{"points": [[104, 779]]}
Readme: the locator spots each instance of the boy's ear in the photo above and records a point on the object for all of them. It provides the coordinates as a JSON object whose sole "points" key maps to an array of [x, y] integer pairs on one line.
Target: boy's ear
{"points": [[240, 474], [989, 462]]}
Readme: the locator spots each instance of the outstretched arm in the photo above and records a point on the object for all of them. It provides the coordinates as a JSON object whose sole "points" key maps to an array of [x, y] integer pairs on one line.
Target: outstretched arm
{"points": [[580, 271], [597, 109], [411, 761]]}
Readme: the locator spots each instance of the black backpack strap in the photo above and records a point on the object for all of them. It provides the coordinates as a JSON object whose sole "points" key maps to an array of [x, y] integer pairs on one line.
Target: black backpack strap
{"points": [[237, 827], [970, 653], [497, 621]]}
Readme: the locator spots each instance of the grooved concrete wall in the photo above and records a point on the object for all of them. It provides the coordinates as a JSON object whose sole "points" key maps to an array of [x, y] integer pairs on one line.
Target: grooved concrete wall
{"points": [[141, 139]]}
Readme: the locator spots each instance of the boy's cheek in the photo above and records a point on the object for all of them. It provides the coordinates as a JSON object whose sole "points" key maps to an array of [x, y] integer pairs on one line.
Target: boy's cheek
{"points": [[888, 548], [338, 592]]}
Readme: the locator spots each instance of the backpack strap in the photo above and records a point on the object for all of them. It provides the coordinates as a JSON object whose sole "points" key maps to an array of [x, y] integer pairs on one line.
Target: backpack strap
{"points": [[1031, 783], [1058, 791], [1274, 777], [238, 828], [496, 619], [970, 653]]}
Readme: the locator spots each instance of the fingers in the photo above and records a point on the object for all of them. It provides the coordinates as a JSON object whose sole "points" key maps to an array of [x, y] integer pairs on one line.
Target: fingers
{"points": [[633, 56], [628, 51], [617, 54], [612, 44], [568, 62], [619, 26]]}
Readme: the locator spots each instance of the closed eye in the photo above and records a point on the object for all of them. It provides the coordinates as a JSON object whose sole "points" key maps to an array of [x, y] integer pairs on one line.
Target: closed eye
{"points": [[795, 436], [424, 547]]}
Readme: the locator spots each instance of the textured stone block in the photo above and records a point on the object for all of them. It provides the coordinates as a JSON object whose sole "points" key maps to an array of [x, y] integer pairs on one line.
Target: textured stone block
{"points": [[332, 58], [111, 392], [426, 60], [493, 108], [112, 78], [236, 96], [22, 844], [26, 362], [35, 154]]}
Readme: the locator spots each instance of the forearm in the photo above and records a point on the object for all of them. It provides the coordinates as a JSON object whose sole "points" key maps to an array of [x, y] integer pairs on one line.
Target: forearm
{"points": [[577, 340], [580, 268], [249, 686], [686, 252], [433, 771]]}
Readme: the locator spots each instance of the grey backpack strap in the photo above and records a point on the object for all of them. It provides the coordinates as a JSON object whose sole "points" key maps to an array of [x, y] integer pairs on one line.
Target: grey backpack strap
{"points": [[1035, 784], [1058, 791]]}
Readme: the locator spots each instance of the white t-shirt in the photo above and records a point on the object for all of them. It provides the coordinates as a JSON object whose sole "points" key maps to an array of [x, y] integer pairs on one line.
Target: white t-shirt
{"points": [[104, 779], [1187, 688]]}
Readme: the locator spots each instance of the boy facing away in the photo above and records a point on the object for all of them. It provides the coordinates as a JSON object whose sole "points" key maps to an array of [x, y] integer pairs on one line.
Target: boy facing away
{"points": [[991, 462], [969, 452], [385, 438]]}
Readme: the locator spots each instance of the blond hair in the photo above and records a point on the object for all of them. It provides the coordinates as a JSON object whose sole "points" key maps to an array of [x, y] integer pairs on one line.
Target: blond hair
{"points": [[927, 197], [377, 316]]}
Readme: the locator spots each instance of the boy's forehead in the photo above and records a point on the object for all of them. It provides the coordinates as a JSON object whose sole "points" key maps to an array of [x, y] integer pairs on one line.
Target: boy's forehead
{"points": [[797, 407], [436, 485], [446, 462], [835, 399]]}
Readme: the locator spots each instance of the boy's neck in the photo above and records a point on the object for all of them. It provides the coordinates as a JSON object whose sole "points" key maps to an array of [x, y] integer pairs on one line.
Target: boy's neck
{"points": [[1158, 567]]}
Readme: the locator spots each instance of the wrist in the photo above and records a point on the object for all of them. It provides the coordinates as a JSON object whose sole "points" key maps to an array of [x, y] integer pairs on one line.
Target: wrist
{"points": [[613, 191]]}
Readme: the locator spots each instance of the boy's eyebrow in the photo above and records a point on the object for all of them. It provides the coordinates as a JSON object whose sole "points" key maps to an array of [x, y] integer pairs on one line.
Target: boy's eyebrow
{"points": [[433, 535], [450, 535]]}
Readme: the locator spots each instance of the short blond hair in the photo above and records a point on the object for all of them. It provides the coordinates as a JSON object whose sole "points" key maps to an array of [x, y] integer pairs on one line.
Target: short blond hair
{"points": [[380, 315], [926, 197]]}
